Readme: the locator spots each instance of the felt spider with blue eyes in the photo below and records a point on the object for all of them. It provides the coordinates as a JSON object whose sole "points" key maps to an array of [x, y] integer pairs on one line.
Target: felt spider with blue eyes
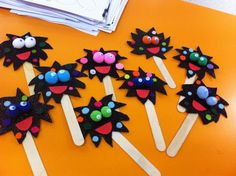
{"points": [[198, 98], [195, 62], [101, 63], [149, 43], [22, 114], [142, 85], [100, 119], [21, 49], [57, 80]]}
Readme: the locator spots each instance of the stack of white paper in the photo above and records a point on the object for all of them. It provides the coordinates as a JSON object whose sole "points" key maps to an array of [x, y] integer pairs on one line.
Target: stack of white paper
{"points": [[89, 16]]}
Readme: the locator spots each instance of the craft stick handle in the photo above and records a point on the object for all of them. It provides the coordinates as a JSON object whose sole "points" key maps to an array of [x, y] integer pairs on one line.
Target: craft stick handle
{"points": [[181, 135], [109, 87], [135, 154], [33, 156], [73, 125], [155, 126], [31, 151], [165, 73], [187, 81]]}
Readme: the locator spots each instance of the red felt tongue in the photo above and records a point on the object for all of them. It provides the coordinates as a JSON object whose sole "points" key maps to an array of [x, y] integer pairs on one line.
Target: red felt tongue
{"points": [[193, 67], [198, 106], [154, 50], [23, 56], [104, 129], [142, 93], [103, 69], [25, 124], [57, 89]]}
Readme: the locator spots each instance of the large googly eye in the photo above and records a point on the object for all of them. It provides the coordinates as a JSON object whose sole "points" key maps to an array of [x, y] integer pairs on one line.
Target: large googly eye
{"points": [[18, 43], [24, 106], [98, 57], [148, 81], [109, 58], [106, 112], [30, 42], [96, 116], [63, 75], [147, 39], [155, 40], [51, 77], [12, 111]]}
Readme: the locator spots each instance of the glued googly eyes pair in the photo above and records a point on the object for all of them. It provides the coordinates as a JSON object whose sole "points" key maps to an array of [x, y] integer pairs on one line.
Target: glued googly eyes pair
{"points": [[203, 93], [14, 110], [108, 58], [201, 60], [148, 40], [97, 115], [52, 77], [19, 43]]}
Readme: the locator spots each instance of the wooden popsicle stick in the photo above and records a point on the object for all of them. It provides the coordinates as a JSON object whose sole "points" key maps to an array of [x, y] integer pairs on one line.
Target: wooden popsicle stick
{"points": [[30, 148], [165, 73], [155, 126], [71, 119], [187, 81], [181, 135], [135, 154], [109, 87]]}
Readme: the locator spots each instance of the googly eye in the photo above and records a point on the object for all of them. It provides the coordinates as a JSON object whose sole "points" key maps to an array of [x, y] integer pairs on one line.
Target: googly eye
{"points": [[98, 57], [109, 58], [51, 77], [63, 75], [12, 111], [147, 39], [18, 43], [155, 40], [30, 42], [24, 106]]}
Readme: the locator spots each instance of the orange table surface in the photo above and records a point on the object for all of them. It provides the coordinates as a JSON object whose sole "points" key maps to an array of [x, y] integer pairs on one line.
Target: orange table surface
{"points": [[210, 150]]}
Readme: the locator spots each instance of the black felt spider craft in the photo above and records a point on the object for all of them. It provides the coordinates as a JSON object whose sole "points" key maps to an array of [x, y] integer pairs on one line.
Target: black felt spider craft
{"points": [[142, 85], [150, 43], [195, 62], [100, 119], [21, 49], [57, 80], [198, 98], [22, 114], [101, 63]]}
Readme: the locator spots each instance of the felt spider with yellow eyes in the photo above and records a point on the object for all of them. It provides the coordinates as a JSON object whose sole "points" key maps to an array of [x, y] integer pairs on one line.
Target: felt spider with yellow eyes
{"points": [[21, 49]]}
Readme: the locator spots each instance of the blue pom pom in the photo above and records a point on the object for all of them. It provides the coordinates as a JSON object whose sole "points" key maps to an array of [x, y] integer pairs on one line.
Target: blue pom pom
{"points": [[63, 75], [138, 81], [148, 81], [51, 77], [12, 111], [24, 106]]}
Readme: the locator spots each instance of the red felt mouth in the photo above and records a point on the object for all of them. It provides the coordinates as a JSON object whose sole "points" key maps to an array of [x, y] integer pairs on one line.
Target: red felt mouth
{"points": [[25, 124], [142, 93], [58, 89], [194, 67], [23, 56], [103, 69], [104, 129], [198, 106], [154, 50]]}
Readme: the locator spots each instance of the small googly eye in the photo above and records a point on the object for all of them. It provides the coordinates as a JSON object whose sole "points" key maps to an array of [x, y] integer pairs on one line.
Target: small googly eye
{"points": [[98, 57], [12, 108], [109, 58], [23, 103], [30, 42], [147, 39], [155, 40], [18, 43]]}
